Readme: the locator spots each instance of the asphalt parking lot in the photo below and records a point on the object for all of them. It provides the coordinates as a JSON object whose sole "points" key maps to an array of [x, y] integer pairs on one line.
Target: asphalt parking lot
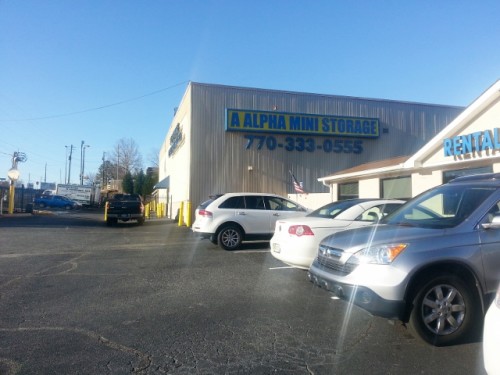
{"points": [[79, 297]]}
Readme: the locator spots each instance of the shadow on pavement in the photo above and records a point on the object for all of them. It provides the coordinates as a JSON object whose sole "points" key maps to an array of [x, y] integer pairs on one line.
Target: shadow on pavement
{"points": [[64, 219]]}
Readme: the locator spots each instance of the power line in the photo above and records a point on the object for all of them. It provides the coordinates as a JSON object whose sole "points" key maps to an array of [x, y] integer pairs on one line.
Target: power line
{"points": [[101, 107]]}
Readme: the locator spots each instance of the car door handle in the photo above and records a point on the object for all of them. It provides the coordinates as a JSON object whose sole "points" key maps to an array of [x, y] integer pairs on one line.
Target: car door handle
{"points": [[276, 214], [242, 213]]}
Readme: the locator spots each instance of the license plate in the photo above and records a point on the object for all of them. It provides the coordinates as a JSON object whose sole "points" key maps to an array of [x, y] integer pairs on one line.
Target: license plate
{"points": [[276, 247], [125, 215]]}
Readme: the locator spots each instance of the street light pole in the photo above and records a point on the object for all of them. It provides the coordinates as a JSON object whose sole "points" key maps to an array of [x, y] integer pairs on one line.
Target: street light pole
{"points": [[83, 162], [13, 175]]}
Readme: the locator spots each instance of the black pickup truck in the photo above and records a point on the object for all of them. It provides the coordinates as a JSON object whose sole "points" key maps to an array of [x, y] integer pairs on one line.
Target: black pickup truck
{"points": [[125, 207]]}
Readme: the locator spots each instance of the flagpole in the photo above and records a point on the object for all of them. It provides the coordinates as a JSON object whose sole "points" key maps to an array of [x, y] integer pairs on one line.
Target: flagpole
{"points": [[297, 185]]}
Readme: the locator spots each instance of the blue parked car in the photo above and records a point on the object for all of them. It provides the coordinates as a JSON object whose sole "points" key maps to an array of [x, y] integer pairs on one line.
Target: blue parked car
{"points": [[56, 201]]}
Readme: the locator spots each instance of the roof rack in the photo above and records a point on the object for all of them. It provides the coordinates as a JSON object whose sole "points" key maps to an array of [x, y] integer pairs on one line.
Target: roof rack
{"points": [[478, 177]]}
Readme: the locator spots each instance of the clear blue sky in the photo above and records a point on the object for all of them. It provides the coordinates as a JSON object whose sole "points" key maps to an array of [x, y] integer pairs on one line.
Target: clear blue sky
{"points": [[98, 70]]}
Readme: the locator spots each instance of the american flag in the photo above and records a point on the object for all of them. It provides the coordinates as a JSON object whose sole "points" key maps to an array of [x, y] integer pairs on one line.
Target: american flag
{"points": [[297, 186]]}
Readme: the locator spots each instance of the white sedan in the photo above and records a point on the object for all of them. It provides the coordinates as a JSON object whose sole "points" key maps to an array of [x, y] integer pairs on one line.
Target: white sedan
{"points": [[296, 240], [491, 337]]}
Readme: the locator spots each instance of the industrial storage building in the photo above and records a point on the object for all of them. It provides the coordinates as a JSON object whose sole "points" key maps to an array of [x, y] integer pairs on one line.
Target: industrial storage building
{"points": [[470, 144], [229, 139]]}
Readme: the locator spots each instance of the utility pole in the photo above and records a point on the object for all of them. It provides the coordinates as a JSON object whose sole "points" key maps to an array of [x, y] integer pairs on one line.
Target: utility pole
{"points": [[69, 159], [66, 165], [81, 162]]}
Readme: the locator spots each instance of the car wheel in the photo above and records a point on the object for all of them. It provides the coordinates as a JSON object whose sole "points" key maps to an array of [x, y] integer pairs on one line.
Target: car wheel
{"points": [[140, 221], [445, 311], [230, 237], [110, 222]]}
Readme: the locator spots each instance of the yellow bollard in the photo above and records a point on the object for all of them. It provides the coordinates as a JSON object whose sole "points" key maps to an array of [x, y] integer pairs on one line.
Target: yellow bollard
{"points": [[106, 211], [188, 215], [12, 191], [147, 211], [181, 214]]}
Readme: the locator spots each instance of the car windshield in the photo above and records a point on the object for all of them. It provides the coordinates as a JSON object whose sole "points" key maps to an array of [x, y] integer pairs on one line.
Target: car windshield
{"points": [[331, 210], [444, 207]]}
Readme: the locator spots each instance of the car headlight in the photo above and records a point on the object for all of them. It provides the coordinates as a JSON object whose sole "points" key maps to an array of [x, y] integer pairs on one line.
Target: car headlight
{"points": [[382, 254]]}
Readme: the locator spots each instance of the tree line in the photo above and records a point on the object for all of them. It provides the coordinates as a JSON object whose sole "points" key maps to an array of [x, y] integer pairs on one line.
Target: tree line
{"points": [[125, 163]]}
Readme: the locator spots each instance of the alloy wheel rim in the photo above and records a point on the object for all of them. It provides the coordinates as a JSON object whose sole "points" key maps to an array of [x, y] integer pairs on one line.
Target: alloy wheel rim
{"points": [[443, 310], [230, 238]]}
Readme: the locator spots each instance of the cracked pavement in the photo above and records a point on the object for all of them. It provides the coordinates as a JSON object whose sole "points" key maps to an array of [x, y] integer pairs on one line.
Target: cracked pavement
{"points": [[79, 297]]}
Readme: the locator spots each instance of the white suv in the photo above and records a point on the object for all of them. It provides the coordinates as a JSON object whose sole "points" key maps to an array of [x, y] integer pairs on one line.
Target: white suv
{"points": [[231, 218]]}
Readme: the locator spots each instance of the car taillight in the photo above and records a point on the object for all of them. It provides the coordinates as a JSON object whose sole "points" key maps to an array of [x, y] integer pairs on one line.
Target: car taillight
{"points": [[205, 213], [300, 230]]}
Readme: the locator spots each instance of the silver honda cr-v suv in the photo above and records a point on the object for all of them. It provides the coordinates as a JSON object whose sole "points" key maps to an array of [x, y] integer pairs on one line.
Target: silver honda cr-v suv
{"points": [[434, 263]]}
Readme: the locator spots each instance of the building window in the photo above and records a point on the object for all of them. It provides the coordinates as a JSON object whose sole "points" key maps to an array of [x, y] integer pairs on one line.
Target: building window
{"points": [[348, 191], [397, 187], [450, 175]]}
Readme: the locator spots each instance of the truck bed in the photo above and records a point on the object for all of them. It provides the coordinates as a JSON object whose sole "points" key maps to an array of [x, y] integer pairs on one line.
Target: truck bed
{"points": [[124, 207]]}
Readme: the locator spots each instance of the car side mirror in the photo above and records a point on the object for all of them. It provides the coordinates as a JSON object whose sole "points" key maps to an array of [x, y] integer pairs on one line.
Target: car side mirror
{"points": [[493, 224]]}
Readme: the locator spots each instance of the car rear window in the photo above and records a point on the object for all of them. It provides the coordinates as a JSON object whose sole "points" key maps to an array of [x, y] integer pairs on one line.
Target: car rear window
{"points": [[127, 197], [233, 202], [205, 204], [332, 210]]}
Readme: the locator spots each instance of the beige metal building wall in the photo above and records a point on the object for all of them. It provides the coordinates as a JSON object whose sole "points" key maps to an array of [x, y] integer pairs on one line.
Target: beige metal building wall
{"points": [[175, 158], [218, 161]]}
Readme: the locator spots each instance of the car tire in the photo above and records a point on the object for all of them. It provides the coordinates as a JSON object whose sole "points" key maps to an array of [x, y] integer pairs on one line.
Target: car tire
{"points": [[230, 237], [140, 221], [445, 311], [213, 239], [110, 222]]}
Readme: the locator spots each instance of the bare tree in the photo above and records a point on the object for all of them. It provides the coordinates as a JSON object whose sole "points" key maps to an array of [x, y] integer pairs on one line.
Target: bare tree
{"points": [[154, 157], [90, 177], [126, 157]]}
